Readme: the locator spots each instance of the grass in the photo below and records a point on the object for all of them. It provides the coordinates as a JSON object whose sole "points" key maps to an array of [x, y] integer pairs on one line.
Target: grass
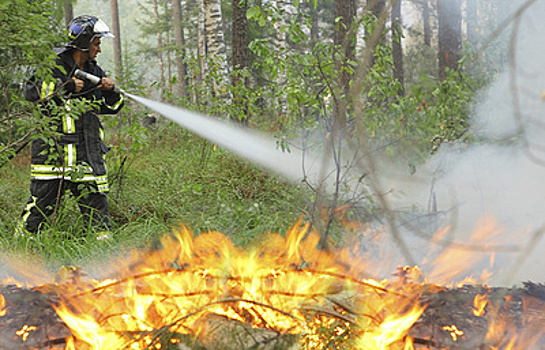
{"points": [[179, 179]]}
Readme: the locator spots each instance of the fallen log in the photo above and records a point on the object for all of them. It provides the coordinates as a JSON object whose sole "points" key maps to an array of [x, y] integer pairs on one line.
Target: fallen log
{"points": [[452, 320], [29, 320]]}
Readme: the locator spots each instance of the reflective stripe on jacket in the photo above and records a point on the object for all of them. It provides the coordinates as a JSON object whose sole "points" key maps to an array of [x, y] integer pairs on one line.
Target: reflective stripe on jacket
{"points": [[79, 153]]}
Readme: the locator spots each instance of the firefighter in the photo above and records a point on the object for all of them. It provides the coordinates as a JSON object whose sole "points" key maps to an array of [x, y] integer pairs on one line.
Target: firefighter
{"points": [[74, 159]]}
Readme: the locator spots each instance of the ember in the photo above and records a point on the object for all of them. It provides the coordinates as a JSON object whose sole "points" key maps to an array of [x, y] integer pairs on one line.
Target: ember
{"points": [[203, 292]]}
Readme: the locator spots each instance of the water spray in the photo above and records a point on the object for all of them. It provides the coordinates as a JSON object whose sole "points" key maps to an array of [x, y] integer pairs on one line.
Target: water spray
{"points": [[256, 147]]}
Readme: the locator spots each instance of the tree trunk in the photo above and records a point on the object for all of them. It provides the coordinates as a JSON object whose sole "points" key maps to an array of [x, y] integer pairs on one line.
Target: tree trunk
{"points": [[314, 32], [344, 41], [167, 52], [179, 40], [201, 52], [281, 46], [240, 34], [397, 49], [426, 23], [345, 11], [159, 52], [378, 9], [361, 12], [118, 63], [450, 35], [215, 43], [240, 54], [169, 62], [68, 12]]}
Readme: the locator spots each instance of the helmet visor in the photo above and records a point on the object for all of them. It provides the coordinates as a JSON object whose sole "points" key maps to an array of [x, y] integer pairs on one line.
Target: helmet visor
{"points": [[101, 30]]}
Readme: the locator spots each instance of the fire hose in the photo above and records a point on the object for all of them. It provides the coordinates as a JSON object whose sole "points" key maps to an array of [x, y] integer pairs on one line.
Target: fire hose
{"points": [[252, 145], [78, 74], [94, 79], [256, 147]]}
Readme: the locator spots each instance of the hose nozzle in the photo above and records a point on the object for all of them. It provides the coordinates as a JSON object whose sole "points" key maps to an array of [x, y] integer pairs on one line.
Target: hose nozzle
{"points": [[84, 75], [93, 79]]}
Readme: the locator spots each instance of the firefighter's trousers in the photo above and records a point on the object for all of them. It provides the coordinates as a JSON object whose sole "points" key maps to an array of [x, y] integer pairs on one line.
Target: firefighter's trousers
{"points": [[45, 197]]}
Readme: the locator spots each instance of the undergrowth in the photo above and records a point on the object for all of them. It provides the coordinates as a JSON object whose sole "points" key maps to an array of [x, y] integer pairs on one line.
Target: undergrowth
{"points": [[177, 179]]}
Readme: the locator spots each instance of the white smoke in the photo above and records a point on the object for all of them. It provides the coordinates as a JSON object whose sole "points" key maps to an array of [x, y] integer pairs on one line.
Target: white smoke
{"points": [[459, 186], [504, 176]]}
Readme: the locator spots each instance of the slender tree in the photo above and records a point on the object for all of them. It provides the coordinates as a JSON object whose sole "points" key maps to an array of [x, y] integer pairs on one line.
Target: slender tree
{"points": [[179, 40], [165, 22], [397, 48], [378, 9], [240, 34], [286, 11], [25, 42], [240, 52], [160, 60], [215, 43], [344, 41], [426, 22], [118, 64], [344, 38], [450, 35], [68, 12], [201, 51], [314, 32]]}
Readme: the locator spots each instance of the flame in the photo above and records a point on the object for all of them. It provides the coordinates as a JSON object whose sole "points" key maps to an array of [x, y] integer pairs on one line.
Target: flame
{"points": [[179, 288], [25, 332], [452, 263], [454, 332], [286, 285], [479, 303], [3, 310], [391, 330]]}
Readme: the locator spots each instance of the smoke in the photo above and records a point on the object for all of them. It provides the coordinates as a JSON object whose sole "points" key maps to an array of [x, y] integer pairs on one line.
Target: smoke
{"points": [[503, 177], [495, 189]]}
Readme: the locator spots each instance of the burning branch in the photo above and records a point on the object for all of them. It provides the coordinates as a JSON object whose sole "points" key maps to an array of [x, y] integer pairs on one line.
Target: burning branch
{"points": [[225, 296]]}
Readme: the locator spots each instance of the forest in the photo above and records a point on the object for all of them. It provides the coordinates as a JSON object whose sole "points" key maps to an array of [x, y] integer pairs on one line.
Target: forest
{"points": [[404, 85], [414, 125]]}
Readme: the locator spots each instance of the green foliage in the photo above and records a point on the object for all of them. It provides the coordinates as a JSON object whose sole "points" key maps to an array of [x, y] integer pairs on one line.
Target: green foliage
{"points": [[178, 179], [199, 185], [214, 189], [300, 89], [432, 110], [408, 127], [29, 32]]}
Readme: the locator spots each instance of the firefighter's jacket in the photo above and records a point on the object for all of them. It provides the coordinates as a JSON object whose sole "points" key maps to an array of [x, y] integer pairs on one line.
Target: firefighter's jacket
{"points": [[78, 153]]}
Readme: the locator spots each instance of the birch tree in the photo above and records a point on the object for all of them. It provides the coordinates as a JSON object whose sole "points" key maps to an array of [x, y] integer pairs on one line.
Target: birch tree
{"points": [[426, 23], [165, 22], [240, 54], [215, 43], [286, 10], [201, 51]]}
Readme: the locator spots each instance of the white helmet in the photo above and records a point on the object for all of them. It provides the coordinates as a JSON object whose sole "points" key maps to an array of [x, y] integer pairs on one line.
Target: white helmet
{"points": [[83, 29]]}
